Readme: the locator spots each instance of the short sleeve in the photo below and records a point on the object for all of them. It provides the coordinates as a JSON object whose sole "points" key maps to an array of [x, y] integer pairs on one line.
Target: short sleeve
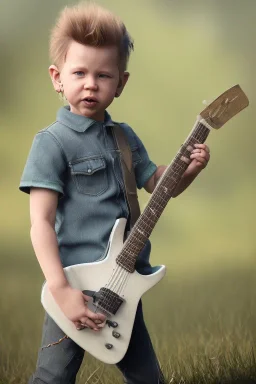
{"points": [[45, 166], [144, 168]]}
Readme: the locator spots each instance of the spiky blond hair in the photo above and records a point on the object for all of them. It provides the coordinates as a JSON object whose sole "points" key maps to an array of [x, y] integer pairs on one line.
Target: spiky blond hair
{"points": [[89, 24]]}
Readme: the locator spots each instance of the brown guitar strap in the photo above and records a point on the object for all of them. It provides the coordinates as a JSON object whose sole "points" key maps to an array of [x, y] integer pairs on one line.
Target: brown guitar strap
{"points": [[128, 174]]}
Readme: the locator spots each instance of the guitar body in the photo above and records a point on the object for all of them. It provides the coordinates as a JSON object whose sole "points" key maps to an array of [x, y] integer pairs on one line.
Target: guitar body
{"points": [[93, 276]]}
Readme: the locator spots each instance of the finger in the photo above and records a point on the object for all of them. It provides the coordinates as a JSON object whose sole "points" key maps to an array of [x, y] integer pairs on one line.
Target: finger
{"points": [[197, 150], [95, 316], [196, 156], [201, 151], [201, 162], [89, 323], [86, 298], [101, 324], [202, 146], [201, 154], [79, 326], [205, 155]]}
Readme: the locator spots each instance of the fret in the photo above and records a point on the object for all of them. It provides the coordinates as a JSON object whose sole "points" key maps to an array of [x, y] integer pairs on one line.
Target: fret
{"points": [[156, 197], [130, 253], [148, 221], [142, 230], [126, 263], [135, 241], [150, 215], [143, 226], [157, 208], [168, 184], [146, 224], [131, 244], [134, 247]]}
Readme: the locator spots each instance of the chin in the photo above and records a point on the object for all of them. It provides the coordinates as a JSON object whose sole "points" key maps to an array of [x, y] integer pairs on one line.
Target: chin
{"points": [[98, 116]]}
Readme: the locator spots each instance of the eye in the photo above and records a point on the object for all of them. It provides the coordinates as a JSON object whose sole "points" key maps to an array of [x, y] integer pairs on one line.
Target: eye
{"points": [[79, 73], [104, 75]]}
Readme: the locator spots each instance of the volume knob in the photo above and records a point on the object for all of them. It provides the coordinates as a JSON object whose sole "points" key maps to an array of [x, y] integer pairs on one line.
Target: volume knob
{"points": [[112, 324]]}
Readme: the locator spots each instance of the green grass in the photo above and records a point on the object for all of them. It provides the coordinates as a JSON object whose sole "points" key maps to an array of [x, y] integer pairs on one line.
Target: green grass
{"points": [[203, 327]]}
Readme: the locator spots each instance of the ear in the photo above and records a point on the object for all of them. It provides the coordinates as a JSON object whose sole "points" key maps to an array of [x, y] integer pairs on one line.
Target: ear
{"points": [[55, 77], [122, 82]]}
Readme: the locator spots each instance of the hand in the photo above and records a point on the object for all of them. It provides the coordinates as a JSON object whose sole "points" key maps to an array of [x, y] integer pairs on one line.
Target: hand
{"points": [[73, 304], [200, 157]]}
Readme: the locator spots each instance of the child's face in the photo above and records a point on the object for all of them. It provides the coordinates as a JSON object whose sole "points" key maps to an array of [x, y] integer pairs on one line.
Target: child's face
{"points": [[91, 79]]}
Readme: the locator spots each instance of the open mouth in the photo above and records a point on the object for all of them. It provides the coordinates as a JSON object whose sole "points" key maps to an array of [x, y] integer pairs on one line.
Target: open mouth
{"points": [[90, 100]]}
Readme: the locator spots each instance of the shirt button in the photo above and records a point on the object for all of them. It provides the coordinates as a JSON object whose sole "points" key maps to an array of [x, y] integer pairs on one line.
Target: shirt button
{"points": [[89, 170]]}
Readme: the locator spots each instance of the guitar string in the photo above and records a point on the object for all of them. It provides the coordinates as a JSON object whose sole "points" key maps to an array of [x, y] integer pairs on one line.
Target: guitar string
{"points": [[120, 276]]}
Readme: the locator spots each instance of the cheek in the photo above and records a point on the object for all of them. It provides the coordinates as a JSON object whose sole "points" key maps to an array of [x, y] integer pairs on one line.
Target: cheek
{"points": [[112, 89], [74, 87], [112, 94]]}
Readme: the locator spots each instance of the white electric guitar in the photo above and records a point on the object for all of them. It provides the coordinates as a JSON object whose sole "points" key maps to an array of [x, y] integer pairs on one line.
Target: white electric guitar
{"points": [[114, 285]]}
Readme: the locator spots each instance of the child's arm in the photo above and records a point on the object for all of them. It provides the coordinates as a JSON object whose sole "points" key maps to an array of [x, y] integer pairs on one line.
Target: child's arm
{"points": [[43, 204], [200, 157]]}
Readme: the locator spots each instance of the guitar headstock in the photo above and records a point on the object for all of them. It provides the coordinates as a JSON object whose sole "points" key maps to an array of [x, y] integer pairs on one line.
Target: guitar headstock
{"points": [[227, 105]]}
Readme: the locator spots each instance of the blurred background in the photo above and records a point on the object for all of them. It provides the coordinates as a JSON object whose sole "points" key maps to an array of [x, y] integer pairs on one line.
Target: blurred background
{"points": [[185, 52]]}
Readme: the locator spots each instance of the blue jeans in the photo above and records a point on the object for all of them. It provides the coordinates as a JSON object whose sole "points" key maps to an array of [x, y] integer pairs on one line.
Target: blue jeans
{"points": [[60, 363]]}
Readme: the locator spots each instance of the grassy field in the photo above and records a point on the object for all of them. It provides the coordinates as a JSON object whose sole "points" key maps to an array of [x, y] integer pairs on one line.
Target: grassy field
{"points": [[203, 327]]}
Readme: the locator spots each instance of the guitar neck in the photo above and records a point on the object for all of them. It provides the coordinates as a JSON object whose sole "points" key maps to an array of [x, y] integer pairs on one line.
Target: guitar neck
{"points": [[159, 198]]}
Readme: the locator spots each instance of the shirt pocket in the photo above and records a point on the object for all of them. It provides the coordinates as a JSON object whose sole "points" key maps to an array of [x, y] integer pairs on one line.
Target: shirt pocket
{"points": [[90, 175]]}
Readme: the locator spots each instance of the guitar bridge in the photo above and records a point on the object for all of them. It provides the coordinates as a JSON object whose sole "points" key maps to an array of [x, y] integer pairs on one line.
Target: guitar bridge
{"points": [[106, 299]]}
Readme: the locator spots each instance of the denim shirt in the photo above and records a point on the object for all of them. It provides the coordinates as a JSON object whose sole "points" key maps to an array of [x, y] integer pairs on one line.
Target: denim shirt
{"points": [[78, 157]]}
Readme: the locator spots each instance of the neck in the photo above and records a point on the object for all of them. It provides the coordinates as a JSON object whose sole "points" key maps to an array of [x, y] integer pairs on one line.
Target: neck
{"points": [[159, 199]]}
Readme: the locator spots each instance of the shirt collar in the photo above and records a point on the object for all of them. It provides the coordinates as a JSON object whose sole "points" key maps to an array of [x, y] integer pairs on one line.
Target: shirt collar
{"points": [[79, 123]]}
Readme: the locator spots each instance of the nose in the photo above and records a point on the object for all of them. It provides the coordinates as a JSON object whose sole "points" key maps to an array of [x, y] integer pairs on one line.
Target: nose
{"points": [[90, 83]]}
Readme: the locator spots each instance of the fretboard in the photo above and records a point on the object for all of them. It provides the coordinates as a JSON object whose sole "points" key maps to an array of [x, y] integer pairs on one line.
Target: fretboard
{"points": [[159, 199]]}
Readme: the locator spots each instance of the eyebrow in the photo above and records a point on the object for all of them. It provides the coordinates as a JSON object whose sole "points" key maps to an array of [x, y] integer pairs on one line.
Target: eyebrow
{"points": [[77, 67], [84, 69]]}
